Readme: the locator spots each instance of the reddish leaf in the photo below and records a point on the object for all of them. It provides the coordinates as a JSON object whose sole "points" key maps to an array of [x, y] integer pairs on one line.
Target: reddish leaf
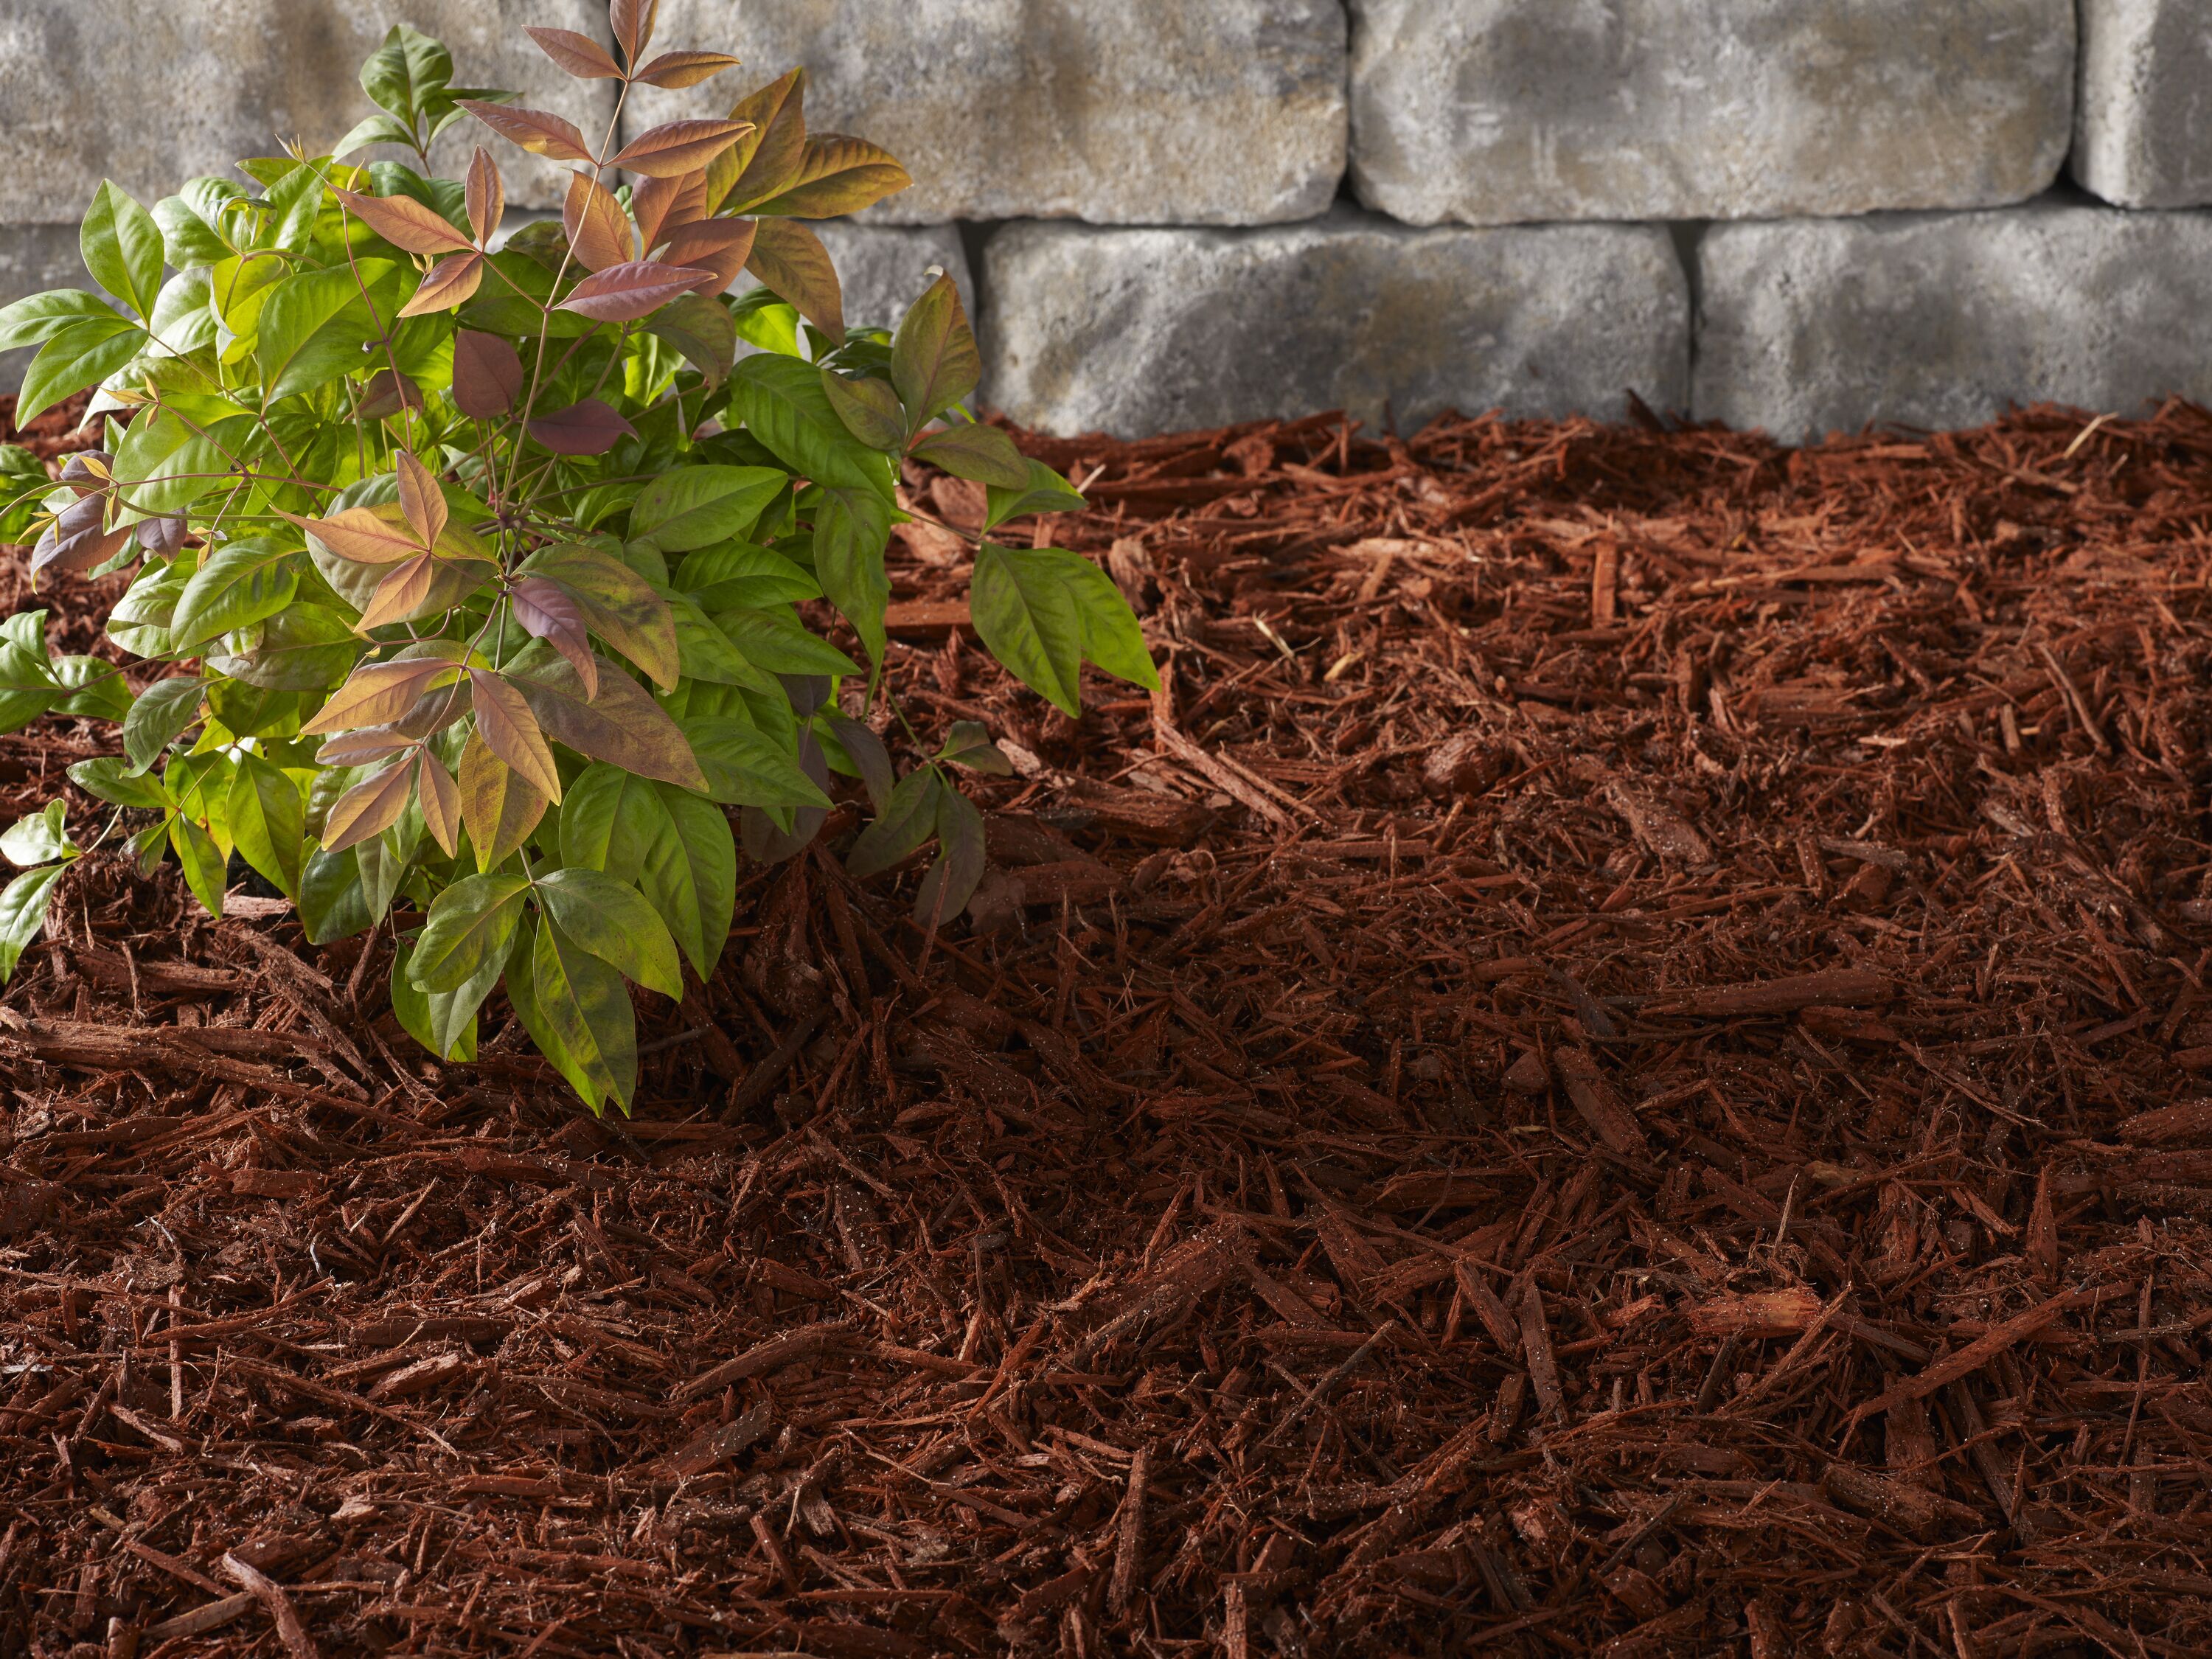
{"points": [[368, 809], [486, 194], [632, 21], [358, 748], [404, 222], [599, 230], [679, 147], [720, 245], [400, 594], [441, 802], [366, 535], [676, 69], [661, 206], [791, 259], [624, 292], [378, 693], [548, 611], [537, 130], [487, 374], [581, 56], [386, 394], [623, 725], [422, 504], [451, 282], [510, 731], [591, 428]]}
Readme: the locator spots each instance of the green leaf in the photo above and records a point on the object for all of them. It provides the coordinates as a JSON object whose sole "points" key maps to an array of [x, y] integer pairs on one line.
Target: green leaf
{"points": [[934, 362], [743, 576], [678, 847], [23, 912], [706, 651], [237, 584], [696, 507], [108, 779], [970, 745], [1042, 611], [203, 861], [579, 1010], [782, 404], [38, 318], [471, 922], [305, 647], [744, 767], [977, 451], [122, 248], [1046, 492], [702, 330], [444, 1022], [852, 529], [159, 716], [869, 409], [331, 904], [952, 880], [196, 222], [96, 687], [165, 464], [907, 819], [268, 818], [615, 922], [315, 325], [774, 639], [407, 73], [767, 323], [40, 837], [83, 353], [29, 685]]}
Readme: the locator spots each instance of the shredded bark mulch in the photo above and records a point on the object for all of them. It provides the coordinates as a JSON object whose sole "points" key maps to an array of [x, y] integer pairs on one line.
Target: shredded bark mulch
{"points": [[1614, 1066]]}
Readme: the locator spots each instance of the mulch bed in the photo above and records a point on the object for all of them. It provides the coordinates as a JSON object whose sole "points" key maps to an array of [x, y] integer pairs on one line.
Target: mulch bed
{"points": [[1612, 1069]]}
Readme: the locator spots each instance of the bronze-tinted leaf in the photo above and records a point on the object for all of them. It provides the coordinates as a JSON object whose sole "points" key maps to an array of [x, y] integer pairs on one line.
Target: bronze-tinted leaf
{"points": [[451, 282], [678, 69], [487, 374], [505, 723], [400, 595], [537, 130], [837, 175], [789, 258], [624, 292], [371, 742], [581, 56], [619, 605], [422, 504], [599, 230], [385, 395], [499, 808], [486, 194], [621, 725], [549, 612], [404, 222], [934, 362], [590, 428], [767, 159], [675, 148], [368, 809], [441, 802], [377, 693], [632, 22], [720, 245], [660, 205], [367, 535]]}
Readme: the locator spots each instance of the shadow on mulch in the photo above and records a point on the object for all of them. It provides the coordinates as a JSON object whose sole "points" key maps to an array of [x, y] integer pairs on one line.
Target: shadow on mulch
{"points": [[1611, 1067]]}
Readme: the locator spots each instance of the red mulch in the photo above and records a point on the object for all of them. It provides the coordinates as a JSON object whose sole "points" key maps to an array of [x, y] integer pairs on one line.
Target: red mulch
{"points": [[1614, 1069]]}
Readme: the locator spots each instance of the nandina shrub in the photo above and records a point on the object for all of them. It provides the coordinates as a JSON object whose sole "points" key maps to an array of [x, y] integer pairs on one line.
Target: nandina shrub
{"points": [[469, 572]]}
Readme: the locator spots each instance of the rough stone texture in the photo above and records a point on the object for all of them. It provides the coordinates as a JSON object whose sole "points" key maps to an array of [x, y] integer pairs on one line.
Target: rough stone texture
{"points": [[1493, 112], [33, 259], [1941, 320], [1139, 332], [2143, 136], [884, 268], [152, 94], [1119, 112]]}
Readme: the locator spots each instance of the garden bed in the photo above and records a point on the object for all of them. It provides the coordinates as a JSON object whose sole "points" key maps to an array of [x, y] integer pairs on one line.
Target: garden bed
{"points": [[1614, 1062]]}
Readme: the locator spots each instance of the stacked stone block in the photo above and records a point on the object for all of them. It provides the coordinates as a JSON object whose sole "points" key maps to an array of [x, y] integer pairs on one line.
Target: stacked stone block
{"points": [[1891, 210]]}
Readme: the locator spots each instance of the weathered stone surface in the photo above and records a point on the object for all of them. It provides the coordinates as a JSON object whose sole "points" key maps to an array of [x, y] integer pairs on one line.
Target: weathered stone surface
{"points": [[152, 94], [2143, 137], [1492, 111], [1119, 112], [884, 268], [1140, 332], [1942, 319], [33, 259]]}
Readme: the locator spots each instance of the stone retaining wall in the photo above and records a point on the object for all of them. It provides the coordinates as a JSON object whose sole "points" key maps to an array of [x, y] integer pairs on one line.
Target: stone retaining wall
{"points": [[1801, 215]]}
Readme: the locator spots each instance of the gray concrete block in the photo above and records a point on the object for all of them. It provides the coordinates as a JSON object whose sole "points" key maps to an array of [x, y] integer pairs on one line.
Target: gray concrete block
{"points": [[1119, 112], [884, 268], [150, 95], [1941, 320], [1493, 112], [2143, 136], [33, 259], [1135, 332]]}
